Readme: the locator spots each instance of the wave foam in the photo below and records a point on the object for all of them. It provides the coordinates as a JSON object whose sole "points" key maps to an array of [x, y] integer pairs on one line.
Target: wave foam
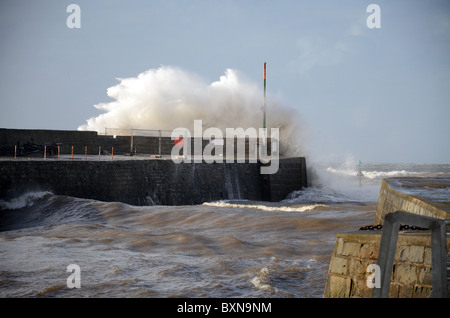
{"points": [[384, 174], [25, 200], [263, 207], [371, 174], [261, 280], [170, 97]]}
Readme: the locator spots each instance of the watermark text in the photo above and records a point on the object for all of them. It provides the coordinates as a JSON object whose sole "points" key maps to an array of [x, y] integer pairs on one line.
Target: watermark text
{"points": [[374, 19], [74, 279], [373, 280], [74, 19], [251, 145]]}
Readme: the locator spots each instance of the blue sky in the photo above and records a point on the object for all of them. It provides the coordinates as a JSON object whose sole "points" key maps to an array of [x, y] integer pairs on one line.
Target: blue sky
{"points": [[379, 95]]}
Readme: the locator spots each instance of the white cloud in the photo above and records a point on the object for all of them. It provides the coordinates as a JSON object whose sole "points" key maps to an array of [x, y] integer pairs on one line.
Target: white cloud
{"points": [[357, 29], [318, 52]]}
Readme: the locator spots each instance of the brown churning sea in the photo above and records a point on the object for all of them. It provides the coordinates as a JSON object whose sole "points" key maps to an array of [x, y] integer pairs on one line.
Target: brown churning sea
{"points": [[217, 249]]}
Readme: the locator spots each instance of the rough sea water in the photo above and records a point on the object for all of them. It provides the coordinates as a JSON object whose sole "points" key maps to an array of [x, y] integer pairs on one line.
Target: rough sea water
{"points": [[218, 249]]}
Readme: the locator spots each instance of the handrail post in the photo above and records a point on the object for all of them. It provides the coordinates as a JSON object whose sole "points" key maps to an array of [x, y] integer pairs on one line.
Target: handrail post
{"points": [[388, 245], [159, 150]]}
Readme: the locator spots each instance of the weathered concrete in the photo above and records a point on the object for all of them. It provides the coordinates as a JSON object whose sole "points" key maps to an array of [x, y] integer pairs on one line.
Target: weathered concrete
{"points": [[139, 182], [291, 175], [147, 182], [80, 141]]}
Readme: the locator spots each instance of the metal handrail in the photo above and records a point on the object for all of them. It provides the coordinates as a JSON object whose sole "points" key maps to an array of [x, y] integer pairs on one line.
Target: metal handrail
{"points": [[388, 246], [137, 132]]}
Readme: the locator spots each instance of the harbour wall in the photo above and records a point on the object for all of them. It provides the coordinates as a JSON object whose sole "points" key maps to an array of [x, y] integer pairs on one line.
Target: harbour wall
{"points": [[411, 275], [153, 181], [145, 181], [413, 195], [81, 142], [355, 251]]}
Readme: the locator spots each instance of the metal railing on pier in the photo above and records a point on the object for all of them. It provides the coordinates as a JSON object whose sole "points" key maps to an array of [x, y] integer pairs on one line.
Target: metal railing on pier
{"points": [[388, 246]]}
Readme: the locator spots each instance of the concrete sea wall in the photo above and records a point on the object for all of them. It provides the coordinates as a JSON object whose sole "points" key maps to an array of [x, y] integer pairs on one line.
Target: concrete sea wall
{"points": [[148, 182], [90, 141], [411, 275], [81, 141], [138, 182]]}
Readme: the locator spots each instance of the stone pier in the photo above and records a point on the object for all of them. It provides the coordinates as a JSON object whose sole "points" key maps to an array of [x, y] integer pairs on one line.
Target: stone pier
{"points": [[411, 276], [143, 181]]}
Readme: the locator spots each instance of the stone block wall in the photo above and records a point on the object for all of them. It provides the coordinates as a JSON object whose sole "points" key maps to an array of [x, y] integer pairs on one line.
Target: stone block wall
{"points": [[391, 200], [90, 141], [142, 182], [11, 137], [353, 252], [291, 176], [81, 141], [139, 182]]}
